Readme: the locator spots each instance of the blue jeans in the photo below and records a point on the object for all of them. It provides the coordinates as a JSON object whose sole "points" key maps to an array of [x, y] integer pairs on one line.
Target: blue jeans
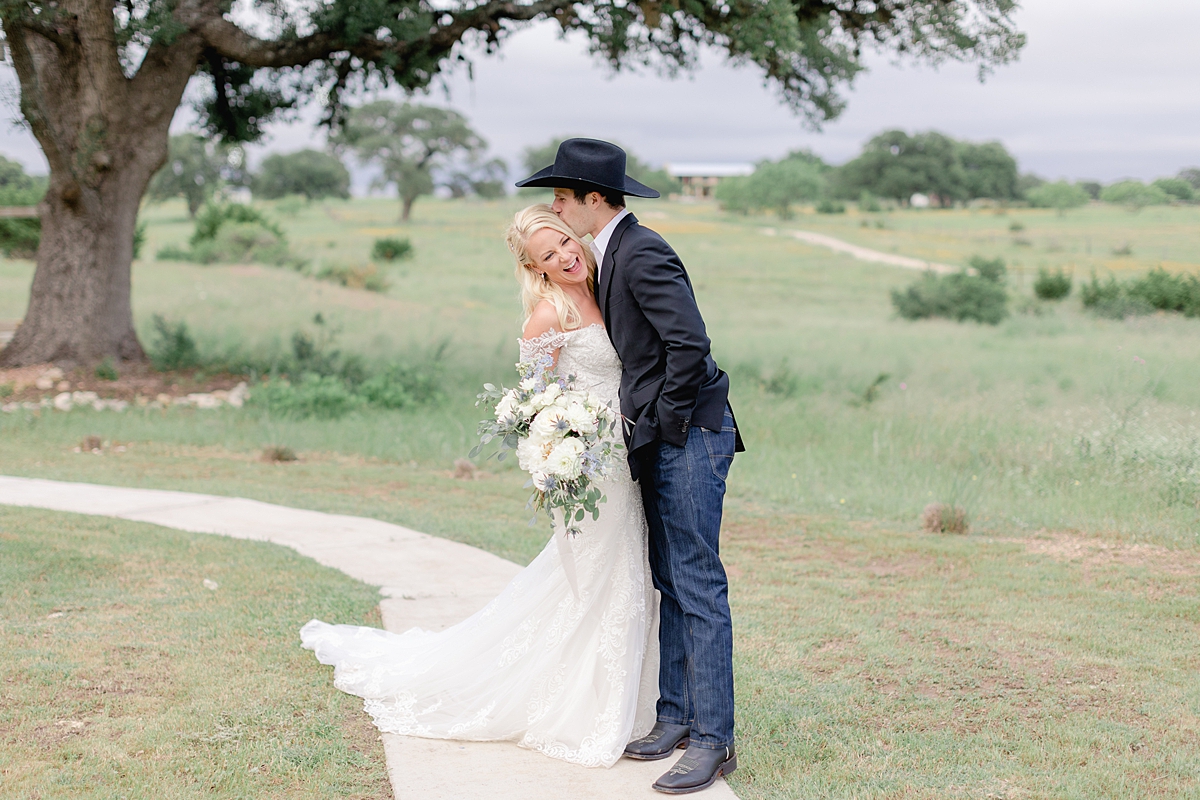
{"points": [[684, 489]]}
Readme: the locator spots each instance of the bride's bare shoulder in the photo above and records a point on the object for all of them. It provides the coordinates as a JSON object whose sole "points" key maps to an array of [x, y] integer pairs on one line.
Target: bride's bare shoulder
{"points": [[543, 318]]}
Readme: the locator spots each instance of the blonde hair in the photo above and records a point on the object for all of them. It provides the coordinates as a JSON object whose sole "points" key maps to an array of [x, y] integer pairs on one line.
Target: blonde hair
{"points": [[534, 287]]}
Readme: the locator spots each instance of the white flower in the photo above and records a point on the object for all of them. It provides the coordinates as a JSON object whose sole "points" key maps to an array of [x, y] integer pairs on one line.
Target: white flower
{"points": [[581, 419], [531, 455], [547, 397], [544, 427], [563, 460], [576, 396], [506, 409], [528, 384]]}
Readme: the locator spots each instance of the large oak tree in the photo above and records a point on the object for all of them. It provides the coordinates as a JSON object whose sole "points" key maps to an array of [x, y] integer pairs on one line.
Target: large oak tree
{"points": [[101, 79]]}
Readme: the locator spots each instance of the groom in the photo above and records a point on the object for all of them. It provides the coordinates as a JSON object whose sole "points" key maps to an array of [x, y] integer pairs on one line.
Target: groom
{"points": [[681, 438]]}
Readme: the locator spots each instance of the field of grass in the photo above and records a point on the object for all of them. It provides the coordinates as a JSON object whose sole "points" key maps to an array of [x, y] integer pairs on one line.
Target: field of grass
{"points": [[124, 676], [1047, 654], [1099, 238]]}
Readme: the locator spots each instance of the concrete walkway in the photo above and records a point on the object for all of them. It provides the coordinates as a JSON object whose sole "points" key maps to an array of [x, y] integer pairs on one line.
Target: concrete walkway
{"points": [[425, 580], [864, 253]]}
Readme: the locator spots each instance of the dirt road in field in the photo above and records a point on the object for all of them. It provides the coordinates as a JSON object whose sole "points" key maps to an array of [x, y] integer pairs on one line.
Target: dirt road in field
{"points": [[863, 253]]}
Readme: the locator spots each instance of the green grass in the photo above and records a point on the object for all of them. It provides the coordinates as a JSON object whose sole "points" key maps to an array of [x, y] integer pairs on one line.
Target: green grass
{"points": [[125, 677], [877, 664], [873, 660], [1082, 241], [1046, 421]]}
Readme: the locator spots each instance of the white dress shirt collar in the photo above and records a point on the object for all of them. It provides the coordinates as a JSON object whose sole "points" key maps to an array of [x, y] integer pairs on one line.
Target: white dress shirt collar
{"points": [[600, 243]]}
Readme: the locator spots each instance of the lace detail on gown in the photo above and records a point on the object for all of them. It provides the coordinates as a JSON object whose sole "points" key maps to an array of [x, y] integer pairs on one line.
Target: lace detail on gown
{"points": [[542, 345], [569, 671]]}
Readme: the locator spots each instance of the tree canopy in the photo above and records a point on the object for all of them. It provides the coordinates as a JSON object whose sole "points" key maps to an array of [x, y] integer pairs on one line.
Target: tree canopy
{"points": [[310, 173], [101, 81], [195, 169], [809, 49], [1134, 195], [1059, 195], [418, 147], [898, 165], [776, 185]]}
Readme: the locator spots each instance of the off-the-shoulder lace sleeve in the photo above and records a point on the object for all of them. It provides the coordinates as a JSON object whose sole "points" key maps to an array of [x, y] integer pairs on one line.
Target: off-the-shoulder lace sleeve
{"points": [[546, 344]]}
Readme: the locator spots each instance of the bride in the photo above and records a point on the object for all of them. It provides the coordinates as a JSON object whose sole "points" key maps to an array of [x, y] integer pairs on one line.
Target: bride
{"points": [[565, 660]]}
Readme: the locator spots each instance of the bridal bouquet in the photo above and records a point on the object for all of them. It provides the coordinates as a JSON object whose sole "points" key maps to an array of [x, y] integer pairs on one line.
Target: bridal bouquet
{"points": [[564, 438]]}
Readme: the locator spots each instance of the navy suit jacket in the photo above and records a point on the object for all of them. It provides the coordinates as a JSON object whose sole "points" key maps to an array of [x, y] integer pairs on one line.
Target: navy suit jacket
{"points": [[670, 381]]}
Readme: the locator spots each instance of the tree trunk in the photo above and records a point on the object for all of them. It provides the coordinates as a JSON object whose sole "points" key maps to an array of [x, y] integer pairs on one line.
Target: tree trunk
{"points": [[79, 306], [406, 204], [104, 135]]}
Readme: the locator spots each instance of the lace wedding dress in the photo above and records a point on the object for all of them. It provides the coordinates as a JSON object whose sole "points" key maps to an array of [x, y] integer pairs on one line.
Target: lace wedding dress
{"points": [[564, 661]]}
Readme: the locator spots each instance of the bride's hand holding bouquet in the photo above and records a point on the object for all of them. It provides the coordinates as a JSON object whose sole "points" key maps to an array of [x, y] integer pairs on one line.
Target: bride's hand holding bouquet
{"points": [[565, 438]]}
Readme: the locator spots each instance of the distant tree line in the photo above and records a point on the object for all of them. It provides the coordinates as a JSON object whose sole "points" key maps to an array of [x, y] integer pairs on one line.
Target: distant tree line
{"points": [[895, 166], [417, 148]]}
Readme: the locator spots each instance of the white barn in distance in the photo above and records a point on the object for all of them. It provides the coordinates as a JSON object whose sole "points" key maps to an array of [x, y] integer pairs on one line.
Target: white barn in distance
{"points": [[700, 180]]}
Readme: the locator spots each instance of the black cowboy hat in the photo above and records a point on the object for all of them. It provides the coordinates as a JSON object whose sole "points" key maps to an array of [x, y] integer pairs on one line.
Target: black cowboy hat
{"points": [[588, 164]]}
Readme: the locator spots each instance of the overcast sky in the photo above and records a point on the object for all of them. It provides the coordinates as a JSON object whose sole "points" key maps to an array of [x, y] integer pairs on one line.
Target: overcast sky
{"points": [[1104, 89]]}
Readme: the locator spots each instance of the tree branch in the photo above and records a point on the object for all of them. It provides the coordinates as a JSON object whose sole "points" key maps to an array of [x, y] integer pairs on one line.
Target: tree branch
{"points": [[61, 36], [236, 44]]}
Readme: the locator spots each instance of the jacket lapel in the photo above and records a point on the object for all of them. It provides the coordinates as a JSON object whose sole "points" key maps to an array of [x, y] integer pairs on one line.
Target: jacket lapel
{"points": [[607, 266]]}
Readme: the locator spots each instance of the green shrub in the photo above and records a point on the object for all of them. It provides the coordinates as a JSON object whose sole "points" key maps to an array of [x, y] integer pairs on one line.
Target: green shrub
{"points": [[172, 346], [828, 206], [355, 276], [1109, 299], [776, 185], [867, 203], [1052, 285], [1167, 291], [391, 248], [1133, 195], [313, 395], [243, 242], [1176, 189], [1157, 290], [19, 238], [213, 217], [173, 252], [7, 389], [960, 296], [399, 387], [291, 204], [990, 269], [233, 234], [1060, 195], [383, 392], [106, 370]]}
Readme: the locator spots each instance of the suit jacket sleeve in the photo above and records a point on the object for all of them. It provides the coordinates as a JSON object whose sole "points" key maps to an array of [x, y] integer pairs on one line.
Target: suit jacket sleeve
{"points": [[660, 286]]}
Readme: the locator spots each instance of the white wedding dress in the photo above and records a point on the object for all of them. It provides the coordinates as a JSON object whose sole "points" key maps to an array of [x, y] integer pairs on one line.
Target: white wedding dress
{"points": [[564, 661]]}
